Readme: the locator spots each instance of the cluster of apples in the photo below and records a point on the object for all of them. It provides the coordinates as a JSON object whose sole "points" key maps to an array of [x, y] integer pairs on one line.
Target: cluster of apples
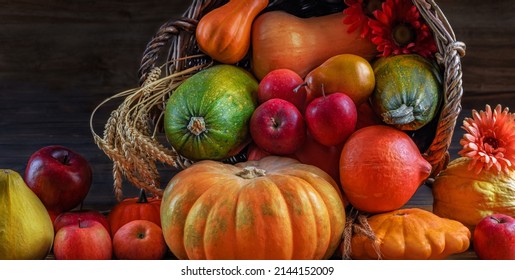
{"points": [[62, 178], [287, 114]]}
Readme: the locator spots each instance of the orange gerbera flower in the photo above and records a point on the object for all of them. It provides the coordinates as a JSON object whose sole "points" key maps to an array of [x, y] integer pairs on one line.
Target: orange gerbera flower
{"points": [[490, 139]]}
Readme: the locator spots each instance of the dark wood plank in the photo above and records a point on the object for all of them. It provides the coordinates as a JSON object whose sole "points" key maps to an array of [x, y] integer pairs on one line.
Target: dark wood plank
{"points": [[59, 59], [487, 28]]}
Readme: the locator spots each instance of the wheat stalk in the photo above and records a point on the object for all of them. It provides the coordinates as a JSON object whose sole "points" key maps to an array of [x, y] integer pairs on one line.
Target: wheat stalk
{"points": [[130, 136]]}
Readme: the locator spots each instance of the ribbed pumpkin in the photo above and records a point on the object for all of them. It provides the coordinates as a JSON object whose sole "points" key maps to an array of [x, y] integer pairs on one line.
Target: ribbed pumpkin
{"points": [[274, 208], [411, 234], [136, 208], [465, 196]]}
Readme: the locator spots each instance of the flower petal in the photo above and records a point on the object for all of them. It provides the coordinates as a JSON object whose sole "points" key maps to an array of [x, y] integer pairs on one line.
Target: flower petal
{"points": [[489, 139]]}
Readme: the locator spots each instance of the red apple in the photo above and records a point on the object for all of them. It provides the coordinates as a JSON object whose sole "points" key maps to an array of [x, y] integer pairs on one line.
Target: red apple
{"points": [[60, 177], [277, 126], [85, 240], [73, 217], [331, 119], [254, 152], [366, 116], [139, 240], [284, 84], [494, 237], [324, 157]]}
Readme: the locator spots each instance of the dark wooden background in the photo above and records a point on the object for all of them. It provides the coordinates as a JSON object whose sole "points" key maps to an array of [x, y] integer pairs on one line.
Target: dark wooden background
{"points": [[59, 59]]}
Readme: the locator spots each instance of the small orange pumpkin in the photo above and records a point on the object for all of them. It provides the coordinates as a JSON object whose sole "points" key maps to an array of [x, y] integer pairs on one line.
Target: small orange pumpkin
{"points": [[411, 234], [381, 168], [273, 208], [137, 208], [224, 33]]}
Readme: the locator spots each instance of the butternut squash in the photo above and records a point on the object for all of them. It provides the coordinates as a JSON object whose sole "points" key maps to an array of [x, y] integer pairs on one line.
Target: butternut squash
{"points": [[224, 33], [282, 40]]}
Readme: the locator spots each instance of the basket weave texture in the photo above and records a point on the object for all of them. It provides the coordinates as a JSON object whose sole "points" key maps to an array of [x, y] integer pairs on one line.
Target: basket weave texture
{"points": [[133, 137]]}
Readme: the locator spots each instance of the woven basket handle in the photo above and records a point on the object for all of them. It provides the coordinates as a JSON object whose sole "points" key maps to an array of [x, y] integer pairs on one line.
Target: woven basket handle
{"points": [[170, 33], [449, 53]]}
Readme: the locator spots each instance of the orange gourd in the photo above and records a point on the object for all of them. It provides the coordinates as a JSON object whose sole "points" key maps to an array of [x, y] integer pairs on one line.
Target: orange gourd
{"points": [[282, 40], [224, 33], [136, 208], [381, 168], [273, 208], [411, 234]]}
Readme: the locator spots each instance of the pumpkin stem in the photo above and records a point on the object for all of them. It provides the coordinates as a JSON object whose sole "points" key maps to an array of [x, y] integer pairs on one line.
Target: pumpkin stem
{"points": [[197, 125], [142, 197], [251, 172], [401, 115]]}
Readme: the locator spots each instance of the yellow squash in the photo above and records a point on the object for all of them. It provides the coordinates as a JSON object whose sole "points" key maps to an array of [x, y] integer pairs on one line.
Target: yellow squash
{"points": [[463, 195], [26, 231]]}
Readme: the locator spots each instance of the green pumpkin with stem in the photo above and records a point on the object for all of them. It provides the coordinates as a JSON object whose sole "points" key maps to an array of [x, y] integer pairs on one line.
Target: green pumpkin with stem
{"points": [[207, 116], [407, 91]]}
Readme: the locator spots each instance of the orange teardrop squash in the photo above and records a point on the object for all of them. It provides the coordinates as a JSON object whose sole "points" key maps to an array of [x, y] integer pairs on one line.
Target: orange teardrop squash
{"points": [[381, 168]]}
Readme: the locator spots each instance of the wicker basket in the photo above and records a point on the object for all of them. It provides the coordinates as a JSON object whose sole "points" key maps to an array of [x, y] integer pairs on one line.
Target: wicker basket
{"points": [[133, 137]]}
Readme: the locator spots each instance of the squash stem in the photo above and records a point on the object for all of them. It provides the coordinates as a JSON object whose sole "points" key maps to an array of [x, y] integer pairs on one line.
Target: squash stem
{"points": [[401, 115], [197, 125]]}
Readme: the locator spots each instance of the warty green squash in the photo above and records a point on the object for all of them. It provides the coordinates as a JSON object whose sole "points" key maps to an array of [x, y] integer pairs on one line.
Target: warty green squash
{"points": [[407, 92], [207, 116]]}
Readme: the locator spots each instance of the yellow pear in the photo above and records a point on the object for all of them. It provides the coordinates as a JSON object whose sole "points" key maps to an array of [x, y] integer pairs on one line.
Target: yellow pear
{"points": [[26, 230]]}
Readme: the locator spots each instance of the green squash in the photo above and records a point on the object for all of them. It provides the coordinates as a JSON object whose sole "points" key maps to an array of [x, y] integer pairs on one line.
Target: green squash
{"points": [[407, 92], [207, 116]]}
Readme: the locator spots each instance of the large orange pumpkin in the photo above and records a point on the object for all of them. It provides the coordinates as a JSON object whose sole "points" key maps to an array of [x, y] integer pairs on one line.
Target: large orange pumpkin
{"points": [[274, 208], [381, 168]]}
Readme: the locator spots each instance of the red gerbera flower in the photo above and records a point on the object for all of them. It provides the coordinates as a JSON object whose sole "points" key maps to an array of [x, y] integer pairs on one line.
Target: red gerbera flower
{"points": [[398, 29], [358, 13]]}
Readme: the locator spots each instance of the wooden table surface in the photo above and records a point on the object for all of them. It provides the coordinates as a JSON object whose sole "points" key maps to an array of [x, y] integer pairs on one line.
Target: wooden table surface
{"points": [[59, 59]]}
